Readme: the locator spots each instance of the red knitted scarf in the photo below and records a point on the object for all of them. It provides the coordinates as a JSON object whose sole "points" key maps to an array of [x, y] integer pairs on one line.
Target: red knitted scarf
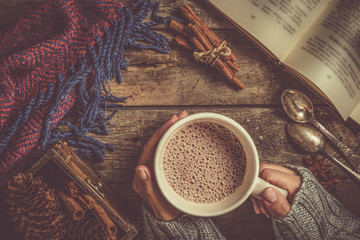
{"points": [[60, 56]]}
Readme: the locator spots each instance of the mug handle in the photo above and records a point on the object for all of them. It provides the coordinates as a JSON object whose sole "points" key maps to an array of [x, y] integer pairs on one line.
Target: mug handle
{"points": [[260, 186]]}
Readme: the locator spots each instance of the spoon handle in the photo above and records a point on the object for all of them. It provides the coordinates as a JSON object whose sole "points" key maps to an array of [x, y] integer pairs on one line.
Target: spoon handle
{"points": [[349, 154], [349, 171]]}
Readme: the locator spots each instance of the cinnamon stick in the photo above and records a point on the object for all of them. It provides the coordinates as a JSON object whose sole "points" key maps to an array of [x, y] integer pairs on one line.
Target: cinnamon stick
{"points": [[70, 162], [90, 201], [197, 44], [188, 8], [180, 28], [85, 200], [72, 206], [81, 201], [183, 43], [199, 35], [228, 74], [232, 65], [101, 215]]}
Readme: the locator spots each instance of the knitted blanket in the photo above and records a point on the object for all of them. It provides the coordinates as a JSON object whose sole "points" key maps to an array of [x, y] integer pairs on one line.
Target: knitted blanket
{"points": [[61, 56]]}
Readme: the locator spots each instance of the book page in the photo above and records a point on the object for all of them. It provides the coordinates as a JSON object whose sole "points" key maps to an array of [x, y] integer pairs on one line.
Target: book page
{"points": [[277, 24], [329, 55], [355, 115]]}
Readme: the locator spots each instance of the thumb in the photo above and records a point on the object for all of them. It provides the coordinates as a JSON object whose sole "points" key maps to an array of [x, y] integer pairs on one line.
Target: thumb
{"points": [[275, 202], [144, 174]]}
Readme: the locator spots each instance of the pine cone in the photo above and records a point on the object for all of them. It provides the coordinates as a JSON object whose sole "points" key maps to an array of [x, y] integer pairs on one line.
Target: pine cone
{"points": [[34, 209], [87, 228]]}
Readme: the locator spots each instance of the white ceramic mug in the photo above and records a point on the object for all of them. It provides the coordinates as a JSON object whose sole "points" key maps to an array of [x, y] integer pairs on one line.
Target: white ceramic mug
{"points": [[252, 184]]}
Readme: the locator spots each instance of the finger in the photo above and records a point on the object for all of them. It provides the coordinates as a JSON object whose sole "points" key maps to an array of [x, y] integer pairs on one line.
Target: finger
{"points": [[150, 146], [264, 210], [255, 205], [286, 181], [137, 185], [259, 207], [160, 132], [144, 174], [182, 114], [152, 197], [276, 167], [155, 138], [275, 202]]}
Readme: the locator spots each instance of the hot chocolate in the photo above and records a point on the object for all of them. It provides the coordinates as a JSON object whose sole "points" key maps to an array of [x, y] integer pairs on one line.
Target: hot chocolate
{"points": [[204, 162]]}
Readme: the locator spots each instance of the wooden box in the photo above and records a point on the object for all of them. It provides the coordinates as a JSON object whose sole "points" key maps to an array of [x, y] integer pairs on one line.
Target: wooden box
{"points": [[61, 159]]}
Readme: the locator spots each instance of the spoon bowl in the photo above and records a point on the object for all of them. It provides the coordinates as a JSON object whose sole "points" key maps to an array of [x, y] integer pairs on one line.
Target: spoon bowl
{"points": [[306, 137], [297, 106]]}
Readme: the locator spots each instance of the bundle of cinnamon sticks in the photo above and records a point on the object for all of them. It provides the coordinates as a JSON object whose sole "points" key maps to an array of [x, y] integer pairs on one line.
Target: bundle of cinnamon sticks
{"points": [[196, 36], [78, 204]]}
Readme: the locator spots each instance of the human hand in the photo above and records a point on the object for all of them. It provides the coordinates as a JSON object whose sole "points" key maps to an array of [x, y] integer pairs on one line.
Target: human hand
{"points": [[144, 184], [273, 203]]}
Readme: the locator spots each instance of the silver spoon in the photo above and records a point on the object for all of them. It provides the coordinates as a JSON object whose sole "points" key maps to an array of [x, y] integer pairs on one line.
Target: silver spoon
{"points": [[300, 109], [311, 140]]}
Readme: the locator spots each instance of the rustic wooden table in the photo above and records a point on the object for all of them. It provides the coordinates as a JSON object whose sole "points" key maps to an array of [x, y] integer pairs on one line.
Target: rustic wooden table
{"points": [[160, 85]]}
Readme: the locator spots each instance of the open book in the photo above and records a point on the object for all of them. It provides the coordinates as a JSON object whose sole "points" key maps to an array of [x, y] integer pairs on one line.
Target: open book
{"points": [[318, 41]]}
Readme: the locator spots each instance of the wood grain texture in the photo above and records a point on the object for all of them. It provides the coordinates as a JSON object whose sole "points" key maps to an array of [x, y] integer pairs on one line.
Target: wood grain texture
{"points": [[161, 85], [177, 79]]}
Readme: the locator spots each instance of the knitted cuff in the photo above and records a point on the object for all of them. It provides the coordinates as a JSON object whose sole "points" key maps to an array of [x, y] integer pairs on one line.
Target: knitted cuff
{"points": [[315, 213], [183, 227]]}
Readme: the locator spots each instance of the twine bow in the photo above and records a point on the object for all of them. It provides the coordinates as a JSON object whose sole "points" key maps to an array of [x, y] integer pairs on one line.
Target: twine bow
{"points": [[212, 55]]}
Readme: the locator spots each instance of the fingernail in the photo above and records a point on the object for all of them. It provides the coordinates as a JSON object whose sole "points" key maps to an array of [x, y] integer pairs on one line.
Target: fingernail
{"points": [[270, 195], [141, 174], [182, 114]]}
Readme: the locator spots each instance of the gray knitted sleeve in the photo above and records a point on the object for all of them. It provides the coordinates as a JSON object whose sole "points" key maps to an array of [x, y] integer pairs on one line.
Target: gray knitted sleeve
{"points": [[185, 227], [316, 214]]}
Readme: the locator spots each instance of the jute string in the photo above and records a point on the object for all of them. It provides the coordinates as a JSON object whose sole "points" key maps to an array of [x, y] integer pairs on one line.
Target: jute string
{"points": [[212, 55]]}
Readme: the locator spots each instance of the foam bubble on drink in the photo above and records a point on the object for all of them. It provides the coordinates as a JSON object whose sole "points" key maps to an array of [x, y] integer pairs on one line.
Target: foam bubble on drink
{"points": [[204, 162]]}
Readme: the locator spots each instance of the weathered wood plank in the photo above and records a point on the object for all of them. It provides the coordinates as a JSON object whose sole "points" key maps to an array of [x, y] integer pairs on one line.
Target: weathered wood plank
{"points": [[177, 79]]}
